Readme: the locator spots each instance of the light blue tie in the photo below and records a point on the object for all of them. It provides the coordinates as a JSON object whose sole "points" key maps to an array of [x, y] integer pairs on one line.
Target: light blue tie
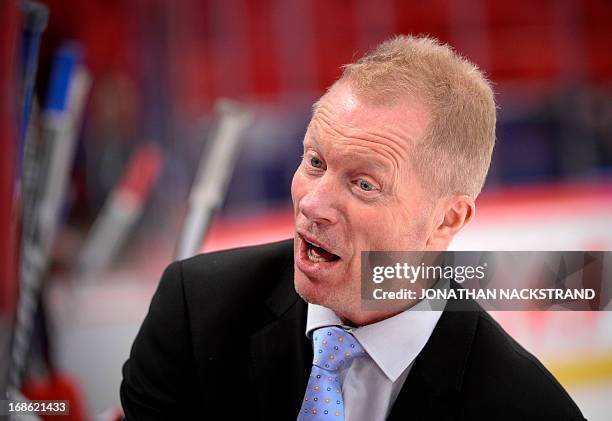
{"points": [[334, 348]]}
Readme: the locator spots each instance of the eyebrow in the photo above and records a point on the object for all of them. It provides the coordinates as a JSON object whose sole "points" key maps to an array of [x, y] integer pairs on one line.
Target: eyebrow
{"points": [[309, 135], [370, 161]]}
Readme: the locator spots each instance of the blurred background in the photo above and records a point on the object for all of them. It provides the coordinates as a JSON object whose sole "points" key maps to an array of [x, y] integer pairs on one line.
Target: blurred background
{"points": [[109, 110]]}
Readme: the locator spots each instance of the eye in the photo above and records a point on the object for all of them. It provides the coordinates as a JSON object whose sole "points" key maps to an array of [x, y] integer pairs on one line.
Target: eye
{"points": [[316, 162], [365, 186]]}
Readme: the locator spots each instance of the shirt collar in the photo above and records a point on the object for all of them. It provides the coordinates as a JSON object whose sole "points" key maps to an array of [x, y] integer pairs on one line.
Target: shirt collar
{"points": [[393, 343]]}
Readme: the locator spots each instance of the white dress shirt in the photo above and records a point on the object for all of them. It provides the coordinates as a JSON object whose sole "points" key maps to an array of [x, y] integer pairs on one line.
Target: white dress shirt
{"points": [[371, 384]]}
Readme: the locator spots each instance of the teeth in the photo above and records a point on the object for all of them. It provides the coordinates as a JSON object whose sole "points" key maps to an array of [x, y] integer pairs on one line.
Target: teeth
{"points": [[313, 258]]}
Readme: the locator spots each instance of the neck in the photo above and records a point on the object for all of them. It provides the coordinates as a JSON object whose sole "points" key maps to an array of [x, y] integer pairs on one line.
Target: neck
{"points": [[363, 318]]}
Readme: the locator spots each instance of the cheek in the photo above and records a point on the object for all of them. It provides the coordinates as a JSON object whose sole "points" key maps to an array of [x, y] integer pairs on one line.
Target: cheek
{"points": [[370, 227], [386, 228]]}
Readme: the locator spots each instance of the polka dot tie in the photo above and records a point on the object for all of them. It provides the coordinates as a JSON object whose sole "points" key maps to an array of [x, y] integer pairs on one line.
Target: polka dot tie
{"points": [[334, 349]]}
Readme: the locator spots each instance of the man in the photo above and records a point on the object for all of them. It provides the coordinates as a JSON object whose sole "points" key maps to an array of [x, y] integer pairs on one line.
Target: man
{"points": [[395, 154]]}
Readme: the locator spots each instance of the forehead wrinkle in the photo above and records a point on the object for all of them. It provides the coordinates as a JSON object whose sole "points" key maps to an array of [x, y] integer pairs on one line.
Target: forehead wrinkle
{"points": [[391, 132], [342, 103], [395, 145], [369, 156], [361, 159], [384, 149]]}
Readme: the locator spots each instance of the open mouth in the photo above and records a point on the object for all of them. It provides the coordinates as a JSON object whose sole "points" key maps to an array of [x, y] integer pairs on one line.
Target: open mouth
{"points": [[317, 254]]}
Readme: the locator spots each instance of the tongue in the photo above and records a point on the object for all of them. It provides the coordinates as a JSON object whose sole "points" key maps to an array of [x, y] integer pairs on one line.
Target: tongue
{"points": [[323, 254]]}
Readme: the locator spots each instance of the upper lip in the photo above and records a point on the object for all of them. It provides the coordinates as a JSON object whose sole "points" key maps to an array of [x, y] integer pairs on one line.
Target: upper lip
{"points": [[315, 242]]}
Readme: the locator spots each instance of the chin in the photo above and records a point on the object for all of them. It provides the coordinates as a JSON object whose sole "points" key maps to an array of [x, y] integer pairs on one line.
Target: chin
{"points": [[320, 293], [308, 290]]}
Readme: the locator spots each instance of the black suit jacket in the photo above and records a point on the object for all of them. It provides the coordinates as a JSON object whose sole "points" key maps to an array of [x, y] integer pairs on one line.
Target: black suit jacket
{"points": [[224, 339]]}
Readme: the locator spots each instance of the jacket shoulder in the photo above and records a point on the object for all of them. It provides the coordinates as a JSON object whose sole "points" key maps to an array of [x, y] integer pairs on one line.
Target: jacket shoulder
{"points": [[158, 377], [240, 272], [237, 260], [511, 381], [201, 307]]}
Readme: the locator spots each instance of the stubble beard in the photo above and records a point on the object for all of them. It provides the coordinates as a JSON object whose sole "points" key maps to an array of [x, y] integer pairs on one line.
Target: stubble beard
{"points": [[339, 302]]}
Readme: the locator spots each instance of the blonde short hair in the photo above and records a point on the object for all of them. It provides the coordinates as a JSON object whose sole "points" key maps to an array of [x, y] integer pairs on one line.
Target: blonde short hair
{"points": [[455, 153]]}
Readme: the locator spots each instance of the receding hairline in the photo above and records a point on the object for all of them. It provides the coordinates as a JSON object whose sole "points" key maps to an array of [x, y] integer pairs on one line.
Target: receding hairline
{"points": [[414, 106], [453, 90]]}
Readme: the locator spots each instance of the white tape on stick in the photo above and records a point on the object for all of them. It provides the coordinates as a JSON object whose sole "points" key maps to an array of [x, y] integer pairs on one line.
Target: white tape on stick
{"points": [[214, 173]]}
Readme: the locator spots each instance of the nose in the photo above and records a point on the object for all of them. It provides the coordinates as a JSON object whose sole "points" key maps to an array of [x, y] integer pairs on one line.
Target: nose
{"points": [[319, 205]]}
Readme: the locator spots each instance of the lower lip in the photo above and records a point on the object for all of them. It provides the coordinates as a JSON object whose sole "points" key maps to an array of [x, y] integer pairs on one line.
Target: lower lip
{"points": [[308, 267]]}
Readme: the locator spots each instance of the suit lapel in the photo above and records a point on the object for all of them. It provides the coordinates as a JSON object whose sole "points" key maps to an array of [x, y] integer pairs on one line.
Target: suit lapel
{"points": [[417, 402], [432, 388], [282, 358], [281, 354]]}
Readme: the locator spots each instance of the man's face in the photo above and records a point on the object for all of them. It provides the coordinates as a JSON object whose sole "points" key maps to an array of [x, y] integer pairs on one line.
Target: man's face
{"points": [[354, 191]]}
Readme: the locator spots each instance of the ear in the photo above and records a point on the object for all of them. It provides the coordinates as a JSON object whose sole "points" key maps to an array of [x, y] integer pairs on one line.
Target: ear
{"points": [[453, 214]]}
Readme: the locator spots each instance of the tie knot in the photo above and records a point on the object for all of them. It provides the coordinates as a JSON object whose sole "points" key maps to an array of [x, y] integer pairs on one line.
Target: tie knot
{"points": [[334, 348]]}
